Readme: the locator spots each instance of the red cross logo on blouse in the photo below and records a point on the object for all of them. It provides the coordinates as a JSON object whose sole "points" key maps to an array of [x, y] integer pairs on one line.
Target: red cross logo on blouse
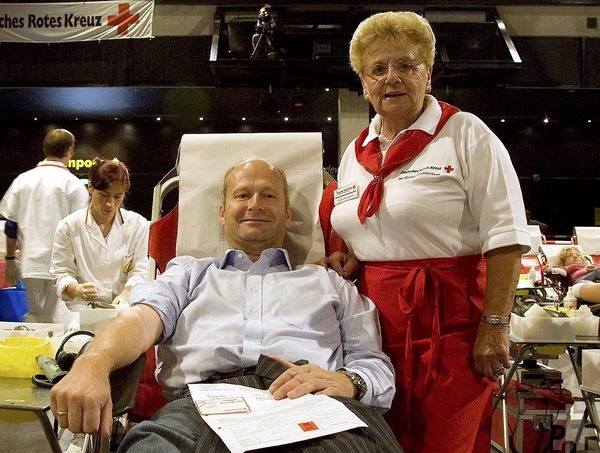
{"points": [[123, 20], [448, 168]]}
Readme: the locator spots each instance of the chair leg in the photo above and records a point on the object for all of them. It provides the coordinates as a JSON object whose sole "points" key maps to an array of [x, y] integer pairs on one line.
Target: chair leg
{"points": [[119, 430], [99, 444]]}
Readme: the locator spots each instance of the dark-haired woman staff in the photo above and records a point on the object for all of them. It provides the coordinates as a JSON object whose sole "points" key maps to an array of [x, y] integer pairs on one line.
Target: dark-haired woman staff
{"points": [[101, 252], [427, 199]]}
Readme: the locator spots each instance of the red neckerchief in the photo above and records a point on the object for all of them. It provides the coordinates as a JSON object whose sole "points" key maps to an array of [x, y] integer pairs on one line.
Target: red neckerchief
{"points": [[413, 142]]}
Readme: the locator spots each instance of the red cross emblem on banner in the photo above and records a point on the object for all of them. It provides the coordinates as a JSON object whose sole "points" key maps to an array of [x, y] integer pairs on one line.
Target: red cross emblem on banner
{"points": [[448, 169], [123, 20]]}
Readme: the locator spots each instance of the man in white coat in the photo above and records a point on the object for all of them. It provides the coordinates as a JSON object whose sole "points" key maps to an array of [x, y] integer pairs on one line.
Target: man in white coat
{"points": [[33, 205]]}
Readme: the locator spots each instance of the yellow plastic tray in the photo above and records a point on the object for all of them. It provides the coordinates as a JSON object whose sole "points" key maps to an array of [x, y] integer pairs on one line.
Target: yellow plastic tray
{"points": [[17, 355]]}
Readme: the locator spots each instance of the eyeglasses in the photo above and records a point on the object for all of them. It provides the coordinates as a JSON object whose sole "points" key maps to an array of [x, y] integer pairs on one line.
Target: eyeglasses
{"points": [[404, 68]]}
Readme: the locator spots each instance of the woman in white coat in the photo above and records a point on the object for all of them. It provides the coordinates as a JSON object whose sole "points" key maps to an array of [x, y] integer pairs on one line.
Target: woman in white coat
{"points": [[101, 252]]}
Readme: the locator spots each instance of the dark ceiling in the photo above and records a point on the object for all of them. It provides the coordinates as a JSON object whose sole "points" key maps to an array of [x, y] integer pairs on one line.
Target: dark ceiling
{"points": [[396, 5]]}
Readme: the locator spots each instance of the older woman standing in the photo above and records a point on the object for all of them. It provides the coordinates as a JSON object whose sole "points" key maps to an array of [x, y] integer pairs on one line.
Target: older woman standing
{"points": [[427, 200], [101, 252]]}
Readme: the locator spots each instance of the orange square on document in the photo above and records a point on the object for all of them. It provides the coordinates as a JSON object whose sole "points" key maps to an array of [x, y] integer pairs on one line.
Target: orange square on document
{"points": [[308, 426]]}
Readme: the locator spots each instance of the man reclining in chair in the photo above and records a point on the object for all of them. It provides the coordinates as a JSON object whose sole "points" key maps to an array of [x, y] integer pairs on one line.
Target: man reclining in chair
{"points": [[213, 318]]}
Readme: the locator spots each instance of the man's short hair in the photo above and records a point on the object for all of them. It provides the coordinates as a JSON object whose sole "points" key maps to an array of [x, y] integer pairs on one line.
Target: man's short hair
{"points": [[57, 143], [273, 167]]}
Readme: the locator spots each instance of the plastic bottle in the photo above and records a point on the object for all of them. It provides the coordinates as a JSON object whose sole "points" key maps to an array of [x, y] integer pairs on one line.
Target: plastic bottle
{"points": [[19, 284], [570, 301], [532, 274]]}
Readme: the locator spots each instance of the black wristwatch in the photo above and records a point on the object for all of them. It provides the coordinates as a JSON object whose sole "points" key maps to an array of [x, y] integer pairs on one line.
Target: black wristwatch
{"points": [[359, 383]]}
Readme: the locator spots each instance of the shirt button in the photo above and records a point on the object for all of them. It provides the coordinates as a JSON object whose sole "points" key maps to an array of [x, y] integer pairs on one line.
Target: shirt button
{"points": [[253, 310]]}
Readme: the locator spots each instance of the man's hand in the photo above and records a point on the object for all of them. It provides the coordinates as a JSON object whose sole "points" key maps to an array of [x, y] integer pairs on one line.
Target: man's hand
{"points": [[490, 354], [300, 380], [81, 400], [343, 263], [12, 273]]}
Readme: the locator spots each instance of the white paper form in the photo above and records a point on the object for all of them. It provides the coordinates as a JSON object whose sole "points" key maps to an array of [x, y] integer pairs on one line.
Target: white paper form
{"points": [[247, 418]]}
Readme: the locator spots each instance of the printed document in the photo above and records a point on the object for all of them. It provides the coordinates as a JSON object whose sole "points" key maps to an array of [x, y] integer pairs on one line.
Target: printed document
{"points": [[247, 418]]}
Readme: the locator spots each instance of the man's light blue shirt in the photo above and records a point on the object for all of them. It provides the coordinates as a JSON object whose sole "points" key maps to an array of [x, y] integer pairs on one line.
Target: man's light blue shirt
{"points": [[220, 316]]}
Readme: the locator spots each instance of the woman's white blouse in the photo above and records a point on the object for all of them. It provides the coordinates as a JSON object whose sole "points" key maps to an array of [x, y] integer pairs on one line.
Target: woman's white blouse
{"points": [[459, 196], [82, 254]]}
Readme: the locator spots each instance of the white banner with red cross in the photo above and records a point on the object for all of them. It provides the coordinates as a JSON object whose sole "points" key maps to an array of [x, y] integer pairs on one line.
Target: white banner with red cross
{"points": [[76, 21]]}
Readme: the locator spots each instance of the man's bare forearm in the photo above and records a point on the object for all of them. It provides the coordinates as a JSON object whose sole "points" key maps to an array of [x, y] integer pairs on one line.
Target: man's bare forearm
{"points": [[124, 339]]}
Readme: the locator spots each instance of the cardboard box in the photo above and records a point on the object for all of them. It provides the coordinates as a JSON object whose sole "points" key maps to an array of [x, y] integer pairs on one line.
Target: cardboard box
{"points": [[590, 370], [586, 326], [542, 328]]}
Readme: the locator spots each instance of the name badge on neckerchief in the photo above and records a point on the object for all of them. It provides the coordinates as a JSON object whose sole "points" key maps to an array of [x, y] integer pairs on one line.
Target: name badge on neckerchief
{"points": [[345, 193]]}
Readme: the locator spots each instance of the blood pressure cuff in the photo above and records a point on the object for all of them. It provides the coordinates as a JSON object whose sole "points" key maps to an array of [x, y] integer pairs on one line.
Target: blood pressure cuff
{"points": [[10, 229]]}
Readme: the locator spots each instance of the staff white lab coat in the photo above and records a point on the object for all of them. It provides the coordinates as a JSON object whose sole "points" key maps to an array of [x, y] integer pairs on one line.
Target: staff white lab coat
{"points": [[82, 254], [37, 200]]}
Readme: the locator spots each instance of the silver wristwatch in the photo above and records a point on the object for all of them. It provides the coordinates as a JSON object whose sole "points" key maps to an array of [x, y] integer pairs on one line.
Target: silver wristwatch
{"points": [[359, 383], [497, 320]]}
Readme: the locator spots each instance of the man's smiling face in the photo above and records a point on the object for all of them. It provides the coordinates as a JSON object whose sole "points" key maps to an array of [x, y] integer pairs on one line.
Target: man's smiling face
{"points": [[254, 214]]}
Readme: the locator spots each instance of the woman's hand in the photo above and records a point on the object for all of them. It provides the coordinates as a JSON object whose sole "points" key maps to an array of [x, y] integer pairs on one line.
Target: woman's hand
{"points": [[87, 291], [343, 263], [122, 298], [490, 354]]}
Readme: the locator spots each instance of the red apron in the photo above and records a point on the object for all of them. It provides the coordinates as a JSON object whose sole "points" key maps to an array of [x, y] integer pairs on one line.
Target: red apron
{"points": [[430, 310]]}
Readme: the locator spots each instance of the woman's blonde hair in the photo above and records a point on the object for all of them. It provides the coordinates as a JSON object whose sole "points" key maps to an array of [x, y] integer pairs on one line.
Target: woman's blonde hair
{"points": [[394, 26]]}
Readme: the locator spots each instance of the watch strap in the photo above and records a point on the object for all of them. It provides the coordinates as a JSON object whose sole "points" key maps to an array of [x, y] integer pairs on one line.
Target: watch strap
{"points": [[359, 383], [497, 320]]}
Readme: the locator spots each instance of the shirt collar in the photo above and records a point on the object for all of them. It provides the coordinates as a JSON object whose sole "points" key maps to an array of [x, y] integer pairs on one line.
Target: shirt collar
{"points": [[427, 121], [89, 218], [271, 260], [51, 163]]}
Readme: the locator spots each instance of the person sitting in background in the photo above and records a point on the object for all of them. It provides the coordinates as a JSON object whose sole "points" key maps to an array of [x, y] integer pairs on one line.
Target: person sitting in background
{"points": [[571, 265], [100, 252], [238, 317]]}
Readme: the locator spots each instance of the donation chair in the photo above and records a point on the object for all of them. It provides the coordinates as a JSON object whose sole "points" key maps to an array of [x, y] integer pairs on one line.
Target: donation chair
{"points": [[192, 227], [588, 238], [548, 255]]}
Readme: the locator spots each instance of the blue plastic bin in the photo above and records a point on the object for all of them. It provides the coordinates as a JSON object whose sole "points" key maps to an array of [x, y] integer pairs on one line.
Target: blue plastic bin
{"points": [[13, 304]]}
